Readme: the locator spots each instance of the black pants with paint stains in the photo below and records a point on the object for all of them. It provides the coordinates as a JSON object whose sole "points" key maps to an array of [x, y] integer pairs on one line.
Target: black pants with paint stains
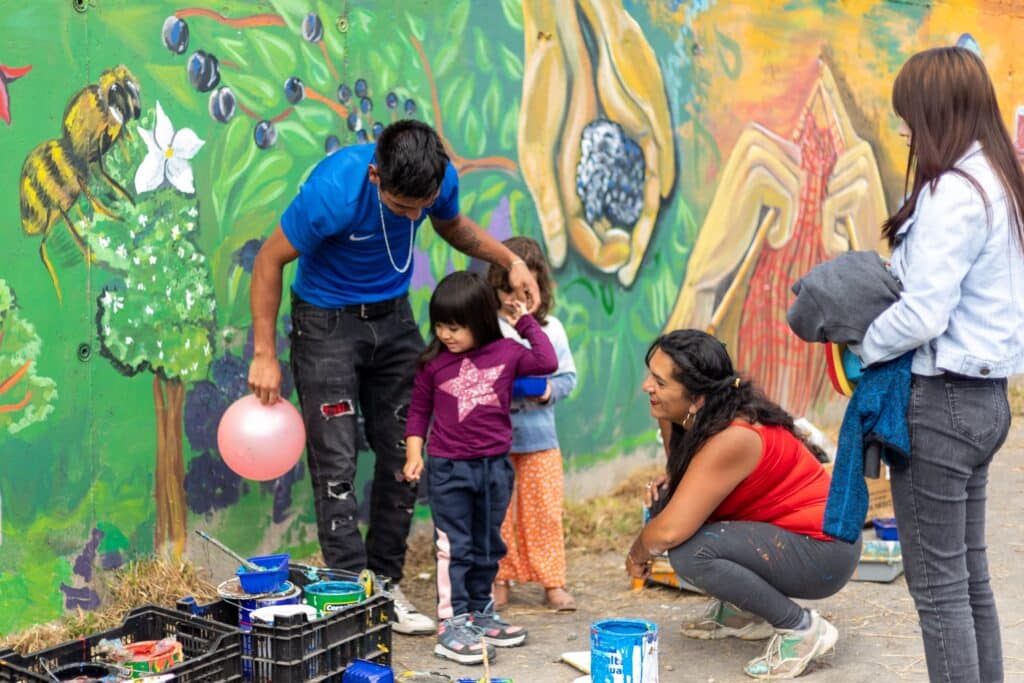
{"points": [[340, 360], [760, 567]]}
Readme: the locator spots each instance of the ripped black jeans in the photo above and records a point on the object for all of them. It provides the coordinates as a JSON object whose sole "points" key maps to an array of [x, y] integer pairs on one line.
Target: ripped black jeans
{"points": [[341, 360]]}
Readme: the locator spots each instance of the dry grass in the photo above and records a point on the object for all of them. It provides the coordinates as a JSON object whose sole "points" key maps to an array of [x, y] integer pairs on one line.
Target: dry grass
{"points": [[139, 583], [611, 521], [1017, 399]]}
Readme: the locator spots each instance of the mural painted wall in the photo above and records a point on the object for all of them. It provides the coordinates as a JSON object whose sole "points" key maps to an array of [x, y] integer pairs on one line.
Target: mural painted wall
{"points": [[681, 162]]}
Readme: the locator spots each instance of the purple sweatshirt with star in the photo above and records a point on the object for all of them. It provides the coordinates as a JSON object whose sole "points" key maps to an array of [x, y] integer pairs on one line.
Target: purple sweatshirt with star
{"points": [[468, 394]]}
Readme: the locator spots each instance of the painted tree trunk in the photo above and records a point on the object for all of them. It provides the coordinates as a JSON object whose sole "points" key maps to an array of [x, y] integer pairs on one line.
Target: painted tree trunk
{"points": [[171, 513]]}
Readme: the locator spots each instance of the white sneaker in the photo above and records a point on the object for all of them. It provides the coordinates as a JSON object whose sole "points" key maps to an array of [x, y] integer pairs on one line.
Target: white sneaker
{"points": [[408, 619], [790, 652]]}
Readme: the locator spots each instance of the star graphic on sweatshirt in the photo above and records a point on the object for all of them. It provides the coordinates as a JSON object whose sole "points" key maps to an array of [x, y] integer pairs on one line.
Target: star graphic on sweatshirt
{"points": [[473, 387]]}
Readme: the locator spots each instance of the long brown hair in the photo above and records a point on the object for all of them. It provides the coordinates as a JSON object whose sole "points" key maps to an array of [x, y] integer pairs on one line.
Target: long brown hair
{"points": [[702, 365], [946, 98], [528, 250]]}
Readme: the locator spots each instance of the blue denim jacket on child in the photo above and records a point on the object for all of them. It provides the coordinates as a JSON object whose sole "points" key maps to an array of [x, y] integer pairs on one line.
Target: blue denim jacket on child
{"points": [[962, 270]]}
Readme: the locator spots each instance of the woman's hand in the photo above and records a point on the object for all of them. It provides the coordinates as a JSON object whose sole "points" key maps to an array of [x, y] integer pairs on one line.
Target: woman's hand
{"points": [[655, 487], [637, 570], [638, 559]]}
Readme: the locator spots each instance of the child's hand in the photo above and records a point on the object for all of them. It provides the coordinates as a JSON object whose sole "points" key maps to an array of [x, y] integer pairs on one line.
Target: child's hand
{"points": [[543, 398], [413, 467], [516, 310]]}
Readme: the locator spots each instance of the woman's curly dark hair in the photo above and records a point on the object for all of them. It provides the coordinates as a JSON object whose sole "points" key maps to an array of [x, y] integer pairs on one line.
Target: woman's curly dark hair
{"points": [[702, 365]]}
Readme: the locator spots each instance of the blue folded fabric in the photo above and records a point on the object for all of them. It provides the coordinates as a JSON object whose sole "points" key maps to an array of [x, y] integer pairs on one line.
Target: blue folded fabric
{"points": [[876, 418]]}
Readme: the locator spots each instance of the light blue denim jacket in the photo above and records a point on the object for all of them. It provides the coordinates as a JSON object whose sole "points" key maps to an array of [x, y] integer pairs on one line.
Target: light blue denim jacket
{"points": [[962, 271], [533, 424]]}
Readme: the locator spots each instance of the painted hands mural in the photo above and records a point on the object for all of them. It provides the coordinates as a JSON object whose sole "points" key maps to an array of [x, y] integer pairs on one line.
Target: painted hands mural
{"points": [[595, 137], [681, 162]]}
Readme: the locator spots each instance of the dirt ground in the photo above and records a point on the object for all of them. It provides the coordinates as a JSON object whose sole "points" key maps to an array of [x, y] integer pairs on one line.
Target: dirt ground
{"points": [[879, 639]]}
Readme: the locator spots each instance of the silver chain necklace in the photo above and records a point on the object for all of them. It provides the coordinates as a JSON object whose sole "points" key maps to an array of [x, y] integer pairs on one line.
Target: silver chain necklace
{"points": [[387, 245]]}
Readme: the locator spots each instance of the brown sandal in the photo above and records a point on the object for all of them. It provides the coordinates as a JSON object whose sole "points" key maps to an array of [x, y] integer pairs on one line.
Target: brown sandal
{"points": [[559, 599], [499, 592]]}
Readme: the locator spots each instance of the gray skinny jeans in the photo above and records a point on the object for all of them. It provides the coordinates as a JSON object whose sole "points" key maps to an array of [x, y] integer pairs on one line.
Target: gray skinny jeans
{"points": [[760, 567], [956, 426]]}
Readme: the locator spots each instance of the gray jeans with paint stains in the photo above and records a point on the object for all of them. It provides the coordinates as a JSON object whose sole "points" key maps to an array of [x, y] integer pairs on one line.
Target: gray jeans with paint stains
{"points": [[760, 567], [341, 360]]}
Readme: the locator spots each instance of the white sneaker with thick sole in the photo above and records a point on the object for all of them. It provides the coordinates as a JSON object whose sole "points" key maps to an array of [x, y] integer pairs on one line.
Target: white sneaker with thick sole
{"points": [[408, 619], [790, 652]]}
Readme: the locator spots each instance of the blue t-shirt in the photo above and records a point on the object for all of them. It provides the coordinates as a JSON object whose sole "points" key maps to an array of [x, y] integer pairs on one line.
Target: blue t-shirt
{"points": [[334, 223]]}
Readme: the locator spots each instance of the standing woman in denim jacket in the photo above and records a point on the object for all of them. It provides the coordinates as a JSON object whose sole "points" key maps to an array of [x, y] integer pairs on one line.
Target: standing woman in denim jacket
{"points": [[958, 248]]}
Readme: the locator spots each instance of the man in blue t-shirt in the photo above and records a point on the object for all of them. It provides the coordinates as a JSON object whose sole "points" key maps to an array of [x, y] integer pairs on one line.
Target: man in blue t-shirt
{"points": [[354, 341]]}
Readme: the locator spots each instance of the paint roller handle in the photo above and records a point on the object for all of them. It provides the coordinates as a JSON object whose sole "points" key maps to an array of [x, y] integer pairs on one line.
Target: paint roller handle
{"points": [[245, 563]]}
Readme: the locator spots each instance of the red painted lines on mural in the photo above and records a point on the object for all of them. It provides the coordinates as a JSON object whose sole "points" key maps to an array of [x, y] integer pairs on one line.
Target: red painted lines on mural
{"points": [[330, 64], [9, 383], [256, 117], [340, 109], [462, 165], [240, 22]]}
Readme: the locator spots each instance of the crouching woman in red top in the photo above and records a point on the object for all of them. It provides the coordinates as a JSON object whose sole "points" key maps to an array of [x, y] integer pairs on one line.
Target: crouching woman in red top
{"points": [[742, 506]]}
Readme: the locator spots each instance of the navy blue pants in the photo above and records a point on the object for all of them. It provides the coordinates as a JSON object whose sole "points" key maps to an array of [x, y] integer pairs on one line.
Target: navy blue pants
{"points": [[468, 501]]}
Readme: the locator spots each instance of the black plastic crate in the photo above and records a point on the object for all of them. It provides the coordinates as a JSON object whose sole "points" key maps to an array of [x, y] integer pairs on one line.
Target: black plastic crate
{"points": [[212, 650], [294, 650]]}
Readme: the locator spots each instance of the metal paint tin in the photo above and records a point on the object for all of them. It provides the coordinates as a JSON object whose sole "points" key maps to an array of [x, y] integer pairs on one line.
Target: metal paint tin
{"points": [[624, 651], [331, 596], [231, 590]]}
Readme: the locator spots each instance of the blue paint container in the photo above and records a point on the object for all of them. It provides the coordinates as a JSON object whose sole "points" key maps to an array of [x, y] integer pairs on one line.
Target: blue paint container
{"points": [[362, 671], [624, 651]]}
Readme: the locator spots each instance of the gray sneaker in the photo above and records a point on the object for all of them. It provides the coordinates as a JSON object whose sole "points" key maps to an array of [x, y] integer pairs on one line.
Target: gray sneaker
{"points": [[496, 630], [460, 641], [726, 620]]}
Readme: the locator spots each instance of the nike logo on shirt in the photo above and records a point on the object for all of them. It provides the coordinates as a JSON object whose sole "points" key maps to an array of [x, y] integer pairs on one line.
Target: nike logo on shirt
{"points": [[359, 238]]}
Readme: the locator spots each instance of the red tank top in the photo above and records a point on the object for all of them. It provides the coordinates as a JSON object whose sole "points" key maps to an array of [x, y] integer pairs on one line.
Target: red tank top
{"points": [[788, 488]]}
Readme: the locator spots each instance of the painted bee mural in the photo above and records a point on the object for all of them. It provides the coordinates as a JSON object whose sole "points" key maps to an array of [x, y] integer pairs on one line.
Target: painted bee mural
{"points": [[56, 173]]}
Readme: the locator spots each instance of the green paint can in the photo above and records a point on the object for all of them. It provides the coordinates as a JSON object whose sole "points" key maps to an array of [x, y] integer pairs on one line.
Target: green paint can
{"points": [[331, 596]]}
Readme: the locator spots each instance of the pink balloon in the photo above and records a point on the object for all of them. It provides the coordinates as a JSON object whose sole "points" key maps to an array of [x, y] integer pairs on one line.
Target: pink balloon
{"points": [[260, 442]]}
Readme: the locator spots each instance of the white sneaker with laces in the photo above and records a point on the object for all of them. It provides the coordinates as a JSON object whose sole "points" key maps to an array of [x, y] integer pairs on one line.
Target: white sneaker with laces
{"points": [[408, 619]]}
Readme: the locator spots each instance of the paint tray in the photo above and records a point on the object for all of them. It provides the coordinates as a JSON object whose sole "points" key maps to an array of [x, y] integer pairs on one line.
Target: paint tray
{"points": [[885, 528], [880, 561], [273, 576]]}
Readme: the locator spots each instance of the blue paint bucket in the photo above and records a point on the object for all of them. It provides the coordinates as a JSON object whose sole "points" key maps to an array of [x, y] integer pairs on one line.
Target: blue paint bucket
{"points": [[232, 591], [624, 651]]}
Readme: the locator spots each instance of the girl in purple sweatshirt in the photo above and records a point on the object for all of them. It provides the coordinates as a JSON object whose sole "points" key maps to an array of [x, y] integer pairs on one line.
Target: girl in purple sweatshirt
{"points": [[464, 383]]}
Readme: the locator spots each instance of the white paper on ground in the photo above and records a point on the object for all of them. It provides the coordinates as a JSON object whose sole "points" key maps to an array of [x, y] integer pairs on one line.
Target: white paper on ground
{"points": [[578, 660]]}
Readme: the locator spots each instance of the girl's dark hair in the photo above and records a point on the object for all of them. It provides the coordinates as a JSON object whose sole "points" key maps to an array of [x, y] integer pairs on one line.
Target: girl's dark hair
{"points": [[703, 367], [946, 98], [531, 253], [410, 159], [463, 298]]}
